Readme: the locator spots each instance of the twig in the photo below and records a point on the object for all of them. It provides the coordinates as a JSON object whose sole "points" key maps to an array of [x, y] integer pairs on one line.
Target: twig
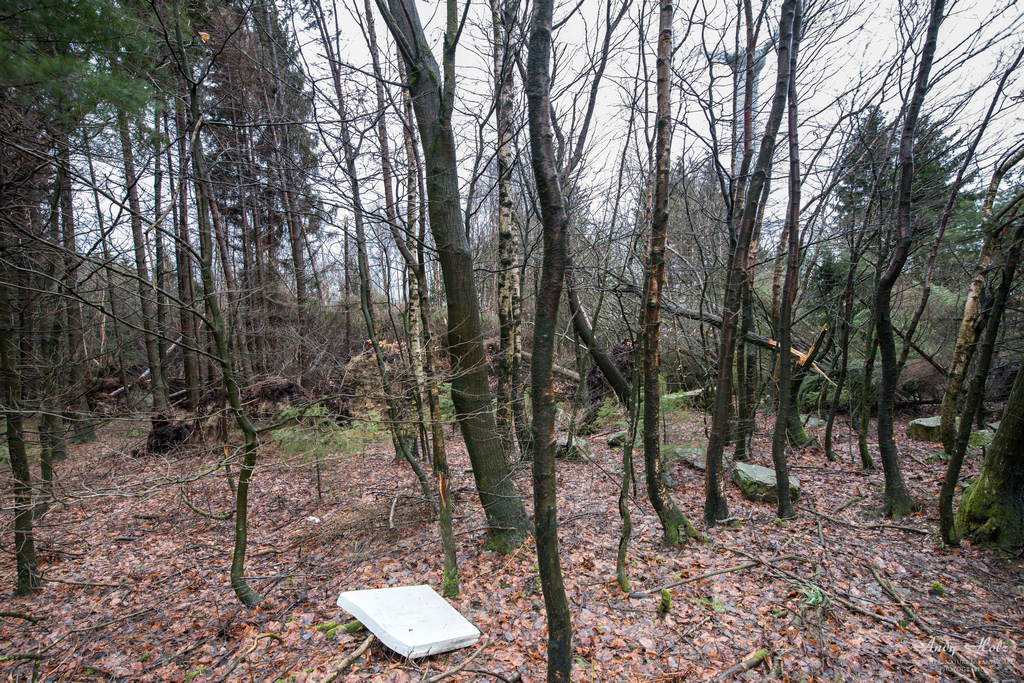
{"points": [[887, 586], [255, 643], [19, 615], [456, 669], [851, 501], [513, 677], [340, 667], [204, 513], [83, 583], [391, 517], [866, 526], [746, 665], [708, 575]]}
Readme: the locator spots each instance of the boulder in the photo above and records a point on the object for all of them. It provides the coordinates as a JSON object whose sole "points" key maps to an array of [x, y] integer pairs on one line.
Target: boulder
{"points": [[579, 451], [758, 483], [982, 438], [925, 429], [811, 421], [682, 400], [618, 439], [692, 456]]}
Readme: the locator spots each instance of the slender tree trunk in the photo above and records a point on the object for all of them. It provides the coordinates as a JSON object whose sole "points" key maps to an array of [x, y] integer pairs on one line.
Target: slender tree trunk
{"points": [[246, 595], [183, 248], [897, 499], [676, 527], [83, 426], [998, 486], [160, 401], [24, 543], [502, 19], [433, 97], [556, 225], [963, 351], [785, 508], [715, 506]]}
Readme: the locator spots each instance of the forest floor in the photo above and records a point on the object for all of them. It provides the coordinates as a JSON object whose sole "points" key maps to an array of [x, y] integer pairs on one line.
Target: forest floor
{"points": [[137, 587]]}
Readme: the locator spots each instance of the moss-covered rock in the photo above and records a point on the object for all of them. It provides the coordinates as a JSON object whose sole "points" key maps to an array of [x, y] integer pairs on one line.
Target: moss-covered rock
{"points": [[758, 483], [692, 456], [578, 451], [682, 400], [925, 429], [981, 438], [618, 439]]}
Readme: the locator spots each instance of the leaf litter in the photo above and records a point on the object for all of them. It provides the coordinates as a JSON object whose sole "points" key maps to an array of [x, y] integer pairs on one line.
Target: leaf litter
{"points": [[137, 587]]}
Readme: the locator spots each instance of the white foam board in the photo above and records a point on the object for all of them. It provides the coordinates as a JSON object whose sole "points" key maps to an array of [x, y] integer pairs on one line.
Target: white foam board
{"points": [[414, 621]]}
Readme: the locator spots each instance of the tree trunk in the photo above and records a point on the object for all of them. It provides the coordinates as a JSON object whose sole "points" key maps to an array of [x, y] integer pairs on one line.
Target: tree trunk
{"points": [[245, 594], [676, 527], [975, 396], [715, 506], [83, 427], [992, 508], [24, 544], [963, 351], [433, 101], [160, 400], [183, 249], [789, 38], [897, 499], [556, 225], [503, 19]]}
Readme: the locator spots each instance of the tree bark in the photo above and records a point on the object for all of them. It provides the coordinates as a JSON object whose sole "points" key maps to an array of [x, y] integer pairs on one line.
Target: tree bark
{"points": [[963, 351], [433, 101], [160, 400], [556, 226], [897, 499], [674, 524], [788, 40], [715, 506], [1000, 480], [24, 543]]}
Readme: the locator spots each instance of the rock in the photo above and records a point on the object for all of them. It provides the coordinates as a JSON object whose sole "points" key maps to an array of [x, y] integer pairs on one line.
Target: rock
{"points": [[925, 429], [681, 400], [758, 483], [982, 438], [692, 456], [812, 421], [618, 439], [579, 451], [994, 426]]}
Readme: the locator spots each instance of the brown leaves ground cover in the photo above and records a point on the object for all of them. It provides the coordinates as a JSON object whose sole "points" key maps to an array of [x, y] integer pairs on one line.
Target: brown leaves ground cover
{"points": [[137, 582]]}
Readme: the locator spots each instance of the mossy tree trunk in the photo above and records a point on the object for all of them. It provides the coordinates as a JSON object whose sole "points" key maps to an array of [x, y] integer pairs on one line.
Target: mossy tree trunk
{"points": [[992, 508], [990, 489], [216, 323], [963, 351]]}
